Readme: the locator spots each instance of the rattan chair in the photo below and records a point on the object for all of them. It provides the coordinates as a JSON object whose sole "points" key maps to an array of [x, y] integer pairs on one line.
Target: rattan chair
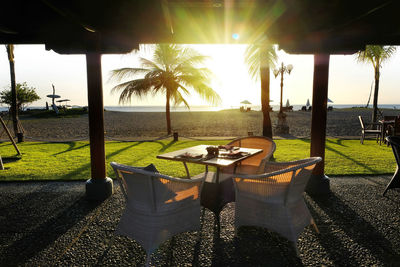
{"points": [[157, 206], [394, 130], [368, 129], [254, 164], [274, 199], [394, 141]]}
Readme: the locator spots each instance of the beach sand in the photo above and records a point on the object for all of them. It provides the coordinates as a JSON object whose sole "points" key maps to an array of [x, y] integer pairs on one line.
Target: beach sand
{"points": [[342, 123]]}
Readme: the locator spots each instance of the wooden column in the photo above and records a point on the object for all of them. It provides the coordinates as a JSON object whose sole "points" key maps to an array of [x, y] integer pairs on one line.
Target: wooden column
{"points": [[99, 186], [319, 182]]}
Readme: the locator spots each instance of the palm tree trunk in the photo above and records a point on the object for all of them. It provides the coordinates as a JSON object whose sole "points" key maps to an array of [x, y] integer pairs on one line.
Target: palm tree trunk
{"points": [[168, 114], [14, 110], [376, 91], [267, 127]]}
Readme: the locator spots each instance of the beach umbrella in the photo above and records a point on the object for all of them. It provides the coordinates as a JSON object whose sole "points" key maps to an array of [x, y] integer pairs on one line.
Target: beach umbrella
{"points": [[330, 101], [287, 103], [245, 102], [53, 96], [308, 103], [63, 100]]}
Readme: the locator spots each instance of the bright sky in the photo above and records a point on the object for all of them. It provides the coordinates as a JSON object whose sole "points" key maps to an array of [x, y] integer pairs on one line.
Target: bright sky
{"points": [[349, 81]]}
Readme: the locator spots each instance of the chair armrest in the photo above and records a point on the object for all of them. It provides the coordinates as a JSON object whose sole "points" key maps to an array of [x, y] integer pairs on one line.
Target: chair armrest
{"points": [[281, 167], [370, 125]]}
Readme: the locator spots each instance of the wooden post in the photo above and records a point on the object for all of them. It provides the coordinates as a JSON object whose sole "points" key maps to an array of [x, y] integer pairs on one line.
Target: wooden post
{"points": [[319, 183], [9, 136], [99, 186]]}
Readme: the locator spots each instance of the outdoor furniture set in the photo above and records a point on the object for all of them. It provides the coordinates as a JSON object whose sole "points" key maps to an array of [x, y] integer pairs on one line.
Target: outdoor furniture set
{"points": [[388, 130], [267, 194], [388, 126]]}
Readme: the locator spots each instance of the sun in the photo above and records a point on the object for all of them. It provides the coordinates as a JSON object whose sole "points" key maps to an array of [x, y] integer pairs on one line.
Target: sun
{"points": [[231, 79]]}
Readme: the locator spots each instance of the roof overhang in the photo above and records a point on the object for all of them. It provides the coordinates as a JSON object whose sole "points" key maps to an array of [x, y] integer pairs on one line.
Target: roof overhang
{"points": [[118, 26]]}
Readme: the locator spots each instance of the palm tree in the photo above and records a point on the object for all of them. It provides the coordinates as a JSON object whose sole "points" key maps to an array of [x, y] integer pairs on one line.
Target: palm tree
{"points": [[376, 54], [172, 71], [260, 58], [14, 110]]}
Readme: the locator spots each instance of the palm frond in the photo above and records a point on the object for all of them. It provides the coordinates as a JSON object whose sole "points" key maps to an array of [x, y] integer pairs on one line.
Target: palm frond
{"points": [[138, 88], [257, 56], [123, 73], [376, 54], [177, 98], [146, 63], [205, 73], [166, 55], [208, 94]]}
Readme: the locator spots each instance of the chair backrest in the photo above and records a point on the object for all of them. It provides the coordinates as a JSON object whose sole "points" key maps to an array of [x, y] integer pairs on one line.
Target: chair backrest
{"points": [[361, 122], [285, 183], [151, 192], [396, 126], [266, 144], [389, 118], [394, 141]]}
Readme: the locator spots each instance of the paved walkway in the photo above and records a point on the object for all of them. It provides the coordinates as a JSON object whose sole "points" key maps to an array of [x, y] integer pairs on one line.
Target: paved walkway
{"points": [[51, 224]]}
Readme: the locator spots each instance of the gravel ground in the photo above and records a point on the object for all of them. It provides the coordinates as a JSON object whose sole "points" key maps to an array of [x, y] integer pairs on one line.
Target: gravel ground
{"points": [[52, 224], [229, 123]]}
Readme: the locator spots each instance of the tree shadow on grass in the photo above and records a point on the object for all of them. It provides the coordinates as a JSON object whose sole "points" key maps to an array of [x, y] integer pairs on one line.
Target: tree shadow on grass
{"points": [[10, 159], [72, 146], [164, 147], [347, 230], [38, 227], [327, 147], [336, 142], [108, 155]]}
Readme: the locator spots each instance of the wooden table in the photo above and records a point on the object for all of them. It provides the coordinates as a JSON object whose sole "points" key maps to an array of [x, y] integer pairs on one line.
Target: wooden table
{"points": [[215, 194]]}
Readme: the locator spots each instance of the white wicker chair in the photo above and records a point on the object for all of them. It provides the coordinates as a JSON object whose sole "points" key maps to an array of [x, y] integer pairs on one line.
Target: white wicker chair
{"points": [[157, 206], [254, 164], [274, 199]]}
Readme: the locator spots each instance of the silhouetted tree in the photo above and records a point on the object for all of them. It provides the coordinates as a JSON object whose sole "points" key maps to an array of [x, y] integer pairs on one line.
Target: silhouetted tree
{"points": [[260, 58], [172, 71], [25, 96], [376, 54]]}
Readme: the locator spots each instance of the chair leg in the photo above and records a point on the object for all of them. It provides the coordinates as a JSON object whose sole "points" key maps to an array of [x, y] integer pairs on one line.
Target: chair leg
{"points": [[314, 225], [147, 260], [362, 138], [394, 182], [296, 249]]}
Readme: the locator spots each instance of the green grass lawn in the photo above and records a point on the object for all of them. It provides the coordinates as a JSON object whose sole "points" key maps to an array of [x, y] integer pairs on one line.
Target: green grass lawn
{"points": [[71, 161]]}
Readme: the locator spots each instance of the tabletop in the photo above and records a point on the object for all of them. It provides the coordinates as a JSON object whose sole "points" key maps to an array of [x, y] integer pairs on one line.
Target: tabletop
{"points": [[386, 121], [199, 154]]}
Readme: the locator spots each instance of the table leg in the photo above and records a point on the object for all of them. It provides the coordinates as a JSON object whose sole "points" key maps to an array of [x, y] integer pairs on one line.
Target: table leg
{"points": [[234, 168], [383, 133], [187, 170]]}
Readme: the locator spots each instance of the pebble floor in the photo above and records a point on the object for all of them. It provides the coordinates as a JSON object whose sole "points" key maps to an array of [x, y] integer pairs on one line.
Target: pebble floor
{"points": [[52, 224]]}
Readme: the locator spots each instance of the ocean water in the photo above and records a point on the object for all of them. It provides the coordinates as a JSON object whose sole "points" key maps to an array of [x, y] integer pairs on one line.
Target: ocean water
{"points": [[209, 108]]}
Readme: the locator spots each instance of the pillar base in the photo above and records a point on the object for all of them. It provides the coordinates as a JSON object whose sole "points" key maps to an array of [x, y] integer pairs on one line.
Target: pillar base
{"points": [[99, 189], [281, 127], [318, 185]]}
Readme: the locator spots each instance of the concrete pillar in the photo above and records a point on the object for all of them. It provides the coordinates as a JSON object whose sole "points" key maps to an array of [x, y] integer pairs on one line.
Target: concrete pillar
{"points": [[319, 182], [99, 187]]}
